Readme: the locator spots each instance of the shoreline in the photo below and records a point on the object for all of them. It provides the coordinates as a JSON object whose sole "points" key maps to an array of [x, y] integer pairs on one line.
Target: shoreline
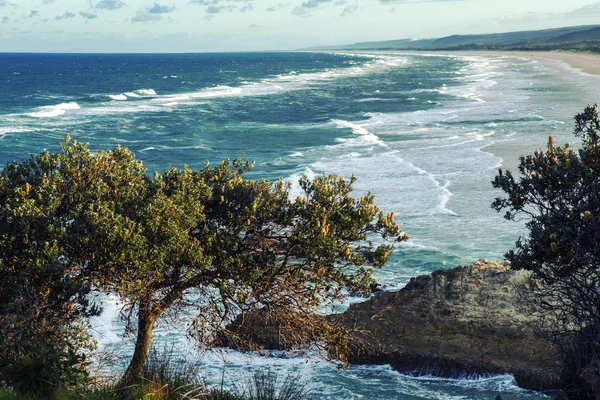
{"points": [[579, 62], [585, 62]]}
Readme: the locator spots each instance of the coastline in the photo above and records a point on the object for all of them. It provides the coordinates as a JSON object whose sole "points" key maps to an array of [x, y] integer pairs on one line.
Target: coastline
{"points": [[585, 62], [564, 60]]}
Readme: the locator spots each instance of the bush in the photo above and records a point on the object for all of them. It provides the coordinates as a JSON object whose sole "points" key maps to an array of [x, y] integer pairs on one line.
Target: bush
{"points": [[559, 193]]}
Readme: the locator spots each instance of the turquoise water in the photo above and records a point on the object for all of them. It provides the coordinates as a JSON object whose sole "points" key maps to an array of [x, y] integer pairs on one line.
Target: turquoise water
{"points": [[413, 128]]}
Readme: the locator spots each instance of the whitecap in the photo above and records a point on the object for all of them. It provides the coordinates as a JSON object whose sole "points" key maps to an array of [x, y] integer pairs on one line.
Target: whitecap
{"points": [[356, 129], [145, 92], [54, 111], [141, 93], [296, 190], [15, 129], [118, 97]]}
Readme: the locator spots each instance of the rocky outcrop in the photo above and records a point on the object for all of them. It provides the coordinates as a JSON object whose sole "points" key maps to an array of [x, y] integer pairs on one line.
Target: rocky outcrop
{"points": [[466, 319]]}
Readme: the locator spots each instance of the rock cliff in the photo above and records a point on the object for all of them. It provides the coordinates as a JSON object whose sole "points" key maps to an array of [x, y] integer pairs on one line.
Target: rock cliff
{"points": [[463, 320]]}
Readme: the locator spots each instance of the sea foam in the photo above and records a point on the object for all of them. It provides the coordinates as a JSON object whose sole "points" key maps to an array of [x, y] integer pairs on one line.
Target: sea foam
{"points": [[117, 97], [141, 93], [54, 111]]}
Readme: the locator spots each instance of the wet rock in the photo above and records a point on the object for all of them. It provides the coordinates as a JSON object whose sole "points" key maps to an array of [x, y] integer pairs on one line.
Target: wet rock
{"points": [[463, 320]]}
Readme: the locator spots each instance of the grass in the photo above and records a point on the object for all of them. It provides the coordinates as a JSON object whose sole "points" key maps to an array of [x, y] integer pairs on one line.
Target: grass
{"points": [[165, 377]]}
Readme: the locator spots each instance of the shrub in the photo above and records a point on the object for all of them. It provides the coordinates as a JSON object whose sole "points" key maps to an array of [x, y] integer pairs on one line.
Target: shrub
{"points": [[559, 194]]}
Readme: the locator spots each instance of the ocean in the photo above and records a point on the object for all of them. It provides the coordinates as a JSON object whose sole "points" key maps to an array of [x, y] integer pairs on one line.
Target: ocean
{"points": [[419, 131]]}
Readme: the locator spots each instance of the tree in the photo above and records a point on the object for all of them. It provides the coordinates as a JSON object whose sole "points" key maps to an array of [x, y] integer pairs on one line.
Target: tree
{"points": [[559, 194], [43, 337], [205, 240]]}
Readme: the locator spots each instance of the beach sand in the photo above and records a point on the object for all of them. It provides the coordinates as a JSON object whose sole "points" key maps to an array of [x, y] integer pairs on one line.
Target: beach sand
{"points": [[586, 63]]}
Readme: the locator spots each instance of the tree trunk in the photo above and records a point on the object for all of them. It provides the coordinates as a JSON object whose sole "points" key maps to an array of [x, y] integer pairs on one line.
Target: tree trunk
{"points": [[142, 345]]}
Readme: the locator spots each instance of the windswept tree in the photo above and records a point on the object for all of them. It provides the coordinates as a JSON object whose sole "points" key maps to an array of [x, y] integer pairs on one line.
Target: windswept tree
{"points": [[559, 194], [43, 336], [204, 241]]}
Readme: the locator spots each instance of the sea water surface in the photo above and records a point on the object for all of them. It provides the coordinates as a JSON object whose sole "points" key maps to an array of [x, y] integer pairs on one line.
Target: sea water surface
{"points": [[412, 127]]}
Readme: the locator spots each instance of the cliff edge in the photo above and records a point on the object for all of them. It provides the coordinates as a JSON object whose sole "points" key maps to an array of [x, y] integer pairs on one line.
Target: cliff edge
{"points": [[463, 320]]}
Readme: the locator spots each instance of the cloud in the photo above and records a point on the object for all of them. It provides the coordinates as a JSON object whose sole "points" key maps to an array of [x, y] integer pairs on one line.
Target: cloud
{"points": [[145, 16], [88, 15], [109, 5], [254, 26], [152, 14], [307, 7], [214, 7], [349, 9], [33, 14], [158, 9], [277, 6], [314, 3], [48, 1], [4, 20], [66, 15], [585, 11], [415, 1]]}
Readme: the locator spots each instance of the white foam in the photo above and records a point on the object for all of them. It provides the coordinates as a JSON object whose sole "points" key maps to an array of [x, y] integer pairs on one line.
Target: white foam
{"points": [[145, 92], [54, 111], [141, 93], [217, 91], [118, 97], [15, 129], [356, 129], [295, 190], [445, 198], [370, 99]]}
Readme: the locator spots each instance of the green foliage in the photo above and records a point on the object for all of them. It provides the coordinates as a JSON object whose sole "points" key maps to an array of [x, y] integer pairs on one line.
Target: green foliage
{"points": [[43, 339], [559, 193], [207, 238]]}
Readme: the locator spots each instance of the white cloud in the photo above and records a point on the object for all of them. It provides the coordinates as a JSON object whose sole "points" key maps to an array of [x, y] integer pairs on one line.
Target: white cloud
{"points": [[109, 5], [66, 15], [158, 9], [145, 16]]}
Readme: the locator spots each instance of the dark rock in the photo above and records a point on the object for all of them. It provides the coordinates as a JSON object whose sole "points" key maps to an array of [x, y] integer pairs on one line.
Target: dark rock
{"points": [[465, 319]]}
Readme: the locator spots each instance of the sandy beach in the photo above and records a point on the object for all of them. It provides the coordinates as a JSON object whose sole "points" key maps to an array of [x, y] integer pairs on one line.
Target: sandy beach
{"points": [[586, 63]]}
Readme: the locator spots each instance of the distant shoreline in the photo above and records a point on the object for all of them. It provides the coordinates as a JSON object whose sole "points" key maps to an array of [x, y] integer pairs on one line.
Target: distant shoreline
{"points": [[586, 62]]}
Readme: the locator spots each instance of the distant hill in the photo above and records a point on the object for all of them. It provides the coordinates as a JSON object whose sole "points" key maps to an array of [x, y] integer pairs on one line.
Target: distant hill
{"points": [[579, 36], [586, 38]]}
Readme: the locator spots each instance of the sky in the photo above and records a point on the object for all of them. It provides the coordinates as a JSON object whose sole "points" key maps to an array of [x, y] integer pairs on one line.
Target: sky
{"points": [[253, 25]]}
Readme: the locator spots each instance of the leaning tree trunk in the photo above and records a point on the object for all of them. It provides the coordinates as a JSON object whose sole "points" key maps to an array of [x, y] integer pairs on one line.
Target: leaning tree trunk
{"points": [[146, 321]]}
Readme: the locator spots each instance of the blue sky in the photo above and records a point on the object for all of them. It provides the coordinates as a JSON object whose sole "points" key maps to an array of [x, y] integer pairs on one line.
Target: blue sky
{"points": [[245, 25]]}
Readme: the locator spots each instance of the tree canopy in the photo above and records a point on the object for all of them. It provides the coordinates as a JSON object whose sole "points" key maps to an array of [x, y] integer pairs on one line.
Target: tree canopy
{"points": [[204, 240], [559, 194]]}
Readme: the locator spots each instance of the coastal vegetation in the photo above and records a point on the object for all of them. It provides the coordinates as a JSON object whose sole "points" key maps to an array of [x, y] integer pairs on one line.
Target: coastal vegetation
{"points": [[210, 244], [558, 193], [575, 38], [206, 242]]}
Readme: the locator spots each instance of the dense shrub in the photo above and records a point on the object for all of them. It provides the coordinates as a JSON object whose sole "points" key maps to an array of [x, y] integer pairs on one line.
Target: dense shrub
{"points": [[558, 192]]}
